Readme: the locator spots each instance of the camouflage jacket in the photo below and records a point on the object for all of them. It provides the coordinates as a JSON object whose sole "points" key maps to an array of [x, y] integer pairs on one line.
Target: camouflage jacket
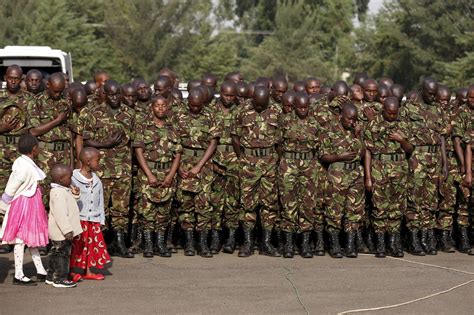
{"points": [[225, 122], [298, 135], [337, 140], [12, 108], [327, 113], [377, 132], [463, 124], [376, 106], [256, 130]]}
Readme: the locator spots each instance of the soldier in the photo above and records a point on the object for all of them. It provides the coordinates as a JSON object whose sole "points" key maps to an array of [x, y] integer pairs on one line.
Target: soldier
{"points": [[143, 95], [158, 152], [163, 87], [100, 77], [398, 91], [298, 143], [463, 134], [299, 86], [426, 166], [312, 85], [383, 92], [211, 81], [235, 77], [225, 188], [370, 106], [129, 95], [386, 172], [192, 84], [13, 123], [327, 109], [79, 102], [34, 83], [109, 127], [342, 148], [356, 94], [360, 78], [199, 136], [254, 136], [280, 86], [242, 92], [287, 101], [251, 90], [388, 82]]}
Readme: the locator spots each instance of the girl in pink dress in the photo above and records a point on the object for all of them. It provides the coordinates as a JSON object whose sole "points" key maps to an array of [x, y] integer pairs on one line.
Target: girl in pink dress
{"points": [[26, 221]]}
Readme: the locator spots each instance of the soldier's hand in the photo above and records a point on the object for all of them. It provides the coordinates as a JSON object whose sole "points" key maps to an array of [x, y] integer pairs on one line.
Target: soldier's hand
{"points": [[183, 173], [117, 138], [9, 126], [445, 173], [357, 130], [62, 117], [368, 184], [68, 236], [396, 136], [348, 156], [369, 113], [194, 171], [152, 181], [167, 182], [467, 182]]}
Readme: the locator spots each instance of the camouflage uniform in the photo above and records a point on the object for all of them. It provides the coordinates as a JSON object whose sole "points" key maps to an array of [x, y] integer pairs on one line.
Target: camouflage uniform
{"points": [[160, 144], [225, 189], [258, 134], [345, 180], [115, 165], [427, 125], [389, 173], [296, 180], [195, 133]]}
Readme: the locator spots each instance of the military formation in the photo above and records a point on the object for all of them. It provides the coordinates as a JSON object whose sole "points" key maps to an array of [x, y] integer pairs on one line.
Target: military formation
{"points": [[314, 169]]}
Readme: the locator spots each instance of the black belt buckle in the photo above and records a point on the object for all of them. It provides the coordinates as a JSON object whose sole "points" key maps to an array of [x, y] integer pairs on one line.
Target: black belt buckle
{"points": [[432, 149], [394, 157], [11, 139], [349, 166], [59, 146]]}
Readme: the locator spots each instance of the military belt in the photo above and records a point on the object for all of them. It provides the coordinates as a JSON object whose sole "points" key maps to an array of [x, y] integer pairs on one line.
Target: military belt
{"points": [[193, 152], [55, 146], [225, 148], [259, 152], [9, 139], [394, 157], [309, 155], [450, 154], [428, 148], [159, 165], [345, 166]]}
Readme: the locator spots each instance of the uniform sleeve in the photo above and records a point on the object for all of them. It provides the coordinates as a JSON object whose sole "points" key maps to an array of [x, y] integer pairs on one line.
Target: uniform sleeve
{"points": [[215, 129], [236, 129], [139, 139], [88, 121], [177, 147], [33, 114], [369, 137]]}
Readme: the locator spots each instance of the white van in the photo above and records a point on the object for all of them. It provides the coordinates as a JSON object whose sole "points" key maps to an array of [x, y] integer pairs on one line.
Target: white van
{"points": [[43, 58]]}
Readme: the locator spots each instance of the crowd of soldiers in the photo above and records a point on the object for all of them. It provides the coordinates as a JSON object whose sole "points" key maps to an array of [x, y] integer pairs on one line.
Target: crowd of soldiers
{"points": [[345, 169]]}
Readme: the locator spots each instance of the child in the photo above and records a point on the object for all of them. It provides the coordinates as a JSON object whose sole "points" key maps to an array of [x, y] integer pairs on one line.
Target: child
{"points": [[64, 224], [25, 220], [89, 249]]}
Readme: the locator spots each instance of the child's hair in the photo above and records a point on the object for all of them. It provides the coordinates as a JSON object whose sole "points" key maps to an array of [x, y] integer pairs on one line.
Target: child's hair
{"points": [[87, 153], [27, 143]]}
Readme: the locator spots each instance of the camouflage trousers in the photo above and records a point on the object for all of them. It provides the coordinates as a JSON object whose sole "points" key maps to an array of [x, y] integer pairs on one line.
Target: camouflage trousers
{"points": [[345, 199], [117, 201], [319, 175], [225, 199], [297, 188], [258, 186], [154, 205], [423, 185], [135, 196], [448, 191], [389, 196]]}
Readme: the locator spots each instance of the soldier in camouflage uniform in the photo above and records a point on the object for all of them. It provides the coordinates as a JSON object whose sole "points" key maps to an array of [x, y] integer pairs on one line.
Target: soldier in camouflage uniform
{"points": [[387, 141], [342, 148], [279, 87], [426, 166], [13, 123], [287, 102], [463, 132], [312, 85], [79, 102], [199, 136], [158, 152], [225, 189], [143, 95], [34, 83], [109, 127], [254, 136], [298, 143]]}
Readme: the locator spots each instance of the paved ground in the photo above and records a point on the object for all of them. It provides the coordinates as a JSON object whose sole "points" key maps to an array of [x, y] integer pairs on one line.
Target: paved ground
{"points": [[256, 285]]}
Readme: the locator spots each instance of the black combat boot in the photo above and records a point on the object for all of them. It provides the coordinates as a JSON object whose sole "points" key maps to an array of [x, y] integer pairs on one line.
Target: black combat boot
{"points": [[395, 244], [148, 248], [266, 248], [446, 245], [305, 250], [351, 251], [229, 245], [137, 234], [215, 242], [334, 246], [288, 248], [189, 246], [428, 241], [360, 243], [319, 243], [247, 247], [380, 249], [119, 248], [204, 250], [370, 240], [415, 246], [169, 239], [160, 247], [464, 244]]}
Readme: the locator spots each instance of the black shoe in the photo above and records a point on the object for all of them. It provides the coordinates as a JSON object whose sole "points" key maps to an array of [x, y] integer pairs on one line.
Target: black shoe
{"points": [[148, 248], [319, 243], [204, 250], [229, 246], [415, 246], [395, 245], [446, 245], [215, 242], [137, 237], [360, 243], [288, 248], [351, 251], [118, 245], [266, 248], [24, 281], [428, 241], [380, 249], [189, 247], [64, 284], [464, 244], [334, 246], [40, 277], [369, 241], [305, 250], [169, 239], [246, 250], [5, 248], [160, 247]]}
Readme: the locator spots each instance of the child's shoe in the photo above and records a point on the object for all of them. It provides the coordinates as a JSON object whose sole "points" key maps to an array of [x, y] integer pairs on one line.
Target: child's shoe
{"points": [[75, 277], [64, 284], [24, 281], [40, 277], [93, 276]]}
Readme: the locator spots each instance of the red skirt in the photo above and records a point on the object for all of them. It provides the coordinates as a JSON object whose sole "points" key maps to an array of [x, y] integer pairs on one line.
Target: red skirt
{"points": [[89, 249]]}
